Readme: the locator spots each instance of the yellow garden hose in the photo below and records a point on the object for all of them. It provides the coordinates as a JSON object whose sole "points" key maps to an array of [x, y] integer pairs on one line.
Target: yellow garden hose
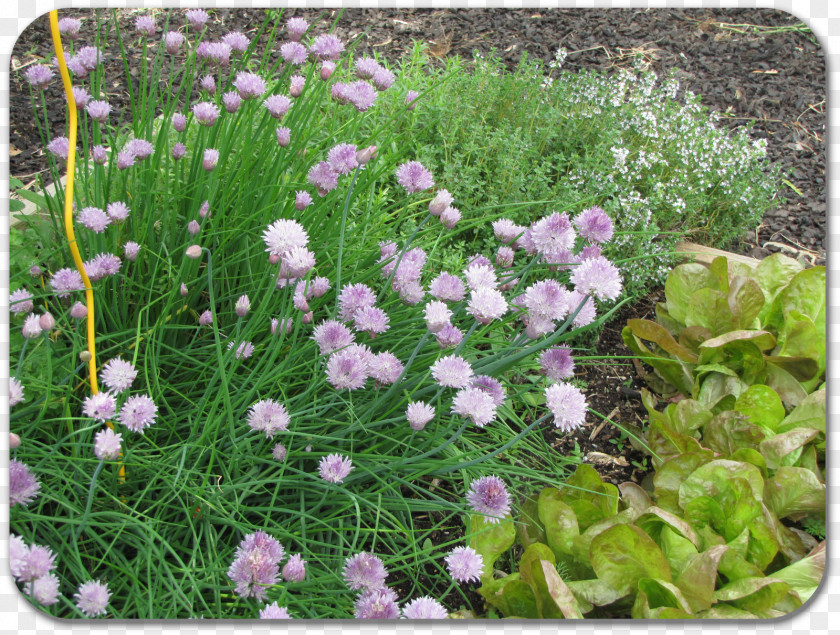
{"points": [[68, 207]]}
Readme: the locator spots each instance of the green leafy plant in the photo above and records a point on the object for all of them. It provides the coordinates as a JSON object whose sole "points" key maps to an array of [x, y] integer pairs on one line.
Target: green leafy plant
{"points": [[703, 543], [726, 327]]}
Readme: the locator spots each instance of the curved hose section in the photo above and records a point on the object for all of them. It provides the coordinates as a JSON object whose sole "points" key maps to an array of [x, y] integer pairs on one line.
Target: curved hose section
{"points": [[68, 207]]}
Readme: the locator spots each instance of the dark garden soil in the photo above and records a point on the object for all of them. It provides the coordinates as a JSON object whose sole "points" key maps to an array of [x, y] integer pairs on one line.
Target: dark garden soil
{"points": [[753, 66]]}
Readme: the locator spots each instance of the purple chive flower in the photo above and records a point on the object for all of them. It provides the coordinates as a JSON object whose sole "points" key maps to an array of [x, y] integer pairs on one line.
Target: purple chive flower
{"points": [[208, 83], [326, 70], [567, 404], [491, 386], [339, 92], [15, 392], [242, 306], [546, 300], [31, 327], [326, 47], [331, 336], [465, 564], [352, 298], [69, 27], [131, 250], [342, 158], [217, 53], [100, 407], [173, 41], [480, 275], [506, 230], [205, 318], [586, 314], [197, 17], [297, 262], [419, 414], [236, 41], [39, 75], [204, 210], [450, 217], [293, 53], [92, 598], [296, 84], [504, 256], [348, 368], [118, 374], [412, 293], [145, 25], [139, 148], [447, 287], [89, 57], [302, 200], [281, 326], [232, 101], [486, 305], [206, 113], [414, 177], [361, 94], [557, 363], [78, 311], [588, 252], [94, 219], [185, 291], [249, 85], [296, 28], [138, 413], [102, 266], [80, 96], [256, 565], [107, 445], [477, 260], [376, 604], [295, 569], [179, 150], [409, 269], [66, 280], [371, 320], [244, 350], [211, 159], [383, 79], [437, 315], [553, 236], [410, 97], [365, 572], [283, 235], [44, 590], [334, 468], [449, 336], [20, 301], [60, 147], [597, 277], [385, 368], [594, 225], [440, 202], [18, 554], [277, 105], [424, 608], [38, 561], [117, 211], [284, 136], [488, 495], [193, 227], [476, 405], [268, 416], [23, 486], [274, 612], [279, 452], [179, 122], [452, 371], [100, 156], [366, 67]]}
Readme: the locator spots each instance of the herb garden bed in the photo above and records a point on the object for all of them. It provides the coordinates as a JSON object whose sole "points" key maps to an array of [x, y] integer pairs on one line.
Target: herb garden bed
{"points": [[417, 437]]}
